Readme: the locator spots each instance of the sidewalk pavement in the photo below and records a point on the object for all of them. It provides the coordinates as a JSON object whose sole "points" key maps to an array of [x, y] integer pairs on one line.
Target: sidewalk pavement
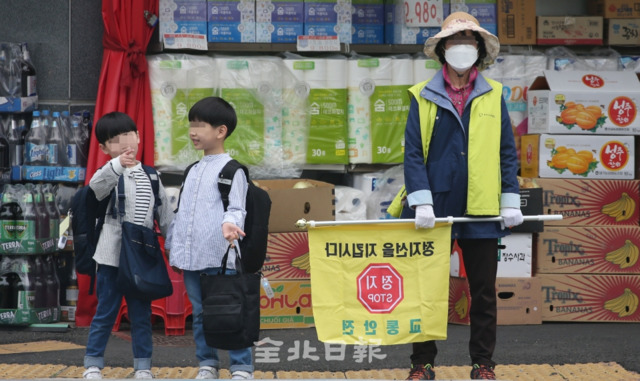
{"points": [[571, 351]]}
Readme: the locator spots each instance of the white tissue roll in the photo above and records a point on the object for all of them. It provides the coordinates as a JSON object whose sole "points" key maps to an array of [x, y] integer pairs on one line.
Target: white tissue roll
{"points": [[424, 69], [402, 72], [360, 88]]}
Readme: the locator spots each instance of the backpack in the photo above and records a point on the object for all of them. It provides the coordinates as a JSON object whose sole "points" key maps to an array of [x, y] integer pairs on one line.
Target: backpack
{"points": [[253, 246], [87, 218]]}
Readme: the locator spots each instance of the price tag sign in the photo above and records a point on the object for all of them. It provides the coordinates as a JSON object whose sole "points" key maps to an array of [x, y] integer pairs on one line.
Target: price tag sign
{"points": [[185, 41], [318, 44], [423, 13]]}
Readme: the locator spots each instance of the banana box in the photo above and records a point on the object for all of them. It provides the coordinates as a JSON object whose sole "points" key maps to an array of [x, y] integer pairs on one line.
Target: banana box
{"points": [[592, 298], [287, 256], [290, 306], [571, 156], [584, 102], [588, 249], [518, 301], [591, 202]]}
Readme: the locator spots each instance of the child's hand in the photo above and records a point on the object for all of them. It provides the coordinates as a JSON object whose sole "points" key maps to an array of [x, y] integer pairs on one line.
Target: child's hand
{"points": [[127, 158], [231, 232]]}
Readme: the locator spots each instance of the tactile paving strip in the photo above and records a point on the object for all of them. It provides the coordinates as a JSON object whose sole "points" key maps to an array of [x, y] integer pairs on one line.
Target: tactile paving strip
{"points": [[570, 372]]}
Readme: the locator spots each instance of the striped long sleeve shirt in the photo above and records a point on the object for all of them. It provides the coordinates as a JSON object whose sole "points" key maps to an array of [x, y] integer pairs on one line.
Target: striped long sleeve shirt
{"points": [[195, 238]]}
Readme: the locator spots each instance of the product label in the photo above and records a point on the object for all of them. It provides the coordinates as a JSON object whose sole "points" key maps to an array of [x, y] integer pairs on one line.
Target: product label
{"points": [[328, 132], [389, 110], [247, 143]]}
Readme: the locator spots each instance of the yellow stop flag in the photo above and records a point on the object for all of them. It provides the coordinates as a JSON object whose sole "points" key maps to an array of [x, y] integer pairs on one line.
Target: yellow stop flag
{"points": [[380, 284]]}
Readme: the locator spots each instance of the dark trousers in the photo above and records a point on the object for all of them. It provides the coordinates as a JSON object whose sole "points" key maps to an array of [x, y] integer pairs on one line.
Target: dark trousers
{"points": [[480, 257]]}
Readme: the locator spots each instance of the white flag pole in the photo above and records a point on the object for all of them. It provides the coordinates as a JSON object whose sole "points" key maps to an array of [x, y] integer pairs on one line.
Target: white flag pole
{"points": [[303, 224]]}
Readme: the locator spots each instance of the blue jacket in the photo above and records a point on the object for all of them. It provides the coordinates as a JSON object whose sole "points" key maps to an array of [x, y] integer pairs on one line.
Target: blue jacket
{"points": [[443, 181]]}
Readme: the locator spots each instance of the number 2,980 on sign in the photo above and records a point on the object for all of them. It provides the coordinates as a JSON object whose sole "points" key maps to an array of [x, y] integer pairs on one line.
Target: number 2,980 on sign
{"points": [[423, 13]]}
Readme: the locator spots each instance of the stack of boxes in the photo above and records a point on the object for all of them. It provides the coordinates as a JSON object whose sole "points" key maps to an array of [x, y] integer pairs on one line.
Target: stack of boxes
{"points": [[621, 20], [581, 151], [287, 262]]}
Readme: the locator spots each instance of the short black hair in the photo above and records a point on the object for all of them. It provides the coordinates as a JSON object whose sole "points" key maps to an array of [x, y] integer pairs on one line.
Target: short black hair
{"points": [[482, 49], [113, 124], [215, 111]]}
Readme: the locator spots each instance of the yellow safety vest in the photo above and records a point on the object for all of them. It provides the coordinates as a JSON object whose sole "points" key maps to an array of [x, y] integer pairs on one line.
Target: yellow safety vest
{"points": [[483, 159]]}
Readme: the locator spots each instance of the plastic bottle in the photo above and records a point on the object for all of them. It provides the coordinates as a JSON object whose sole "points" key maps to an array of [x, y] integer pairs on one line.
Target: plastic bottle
{"points": [[7, 215], [28, 217], [266, 286], [39, 286], [25, 285], [56, 145], [72, 286], [5, 152], [75, 145], [53, 284], [42, 216], [52, 210], [28, 74], [5, 292], [35, 150], [16, 141]]}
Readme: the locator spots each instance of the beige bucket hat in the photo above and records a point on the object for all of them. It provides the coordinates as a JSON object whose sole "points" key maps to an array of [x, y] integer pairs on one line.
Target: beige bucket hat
{"points": [[457, 22]]}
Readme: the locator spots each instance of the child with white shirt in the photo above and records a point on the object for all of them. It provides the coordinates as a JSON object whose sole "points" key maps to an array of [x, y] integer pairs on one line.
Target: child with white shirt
{"points": [[117, 136], [202, 230]]}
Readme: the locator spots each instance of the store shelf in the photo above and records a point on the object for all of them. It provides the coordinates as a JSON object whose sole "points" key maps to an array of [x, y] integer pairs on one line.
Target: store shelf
{"points": [[157, 47]]}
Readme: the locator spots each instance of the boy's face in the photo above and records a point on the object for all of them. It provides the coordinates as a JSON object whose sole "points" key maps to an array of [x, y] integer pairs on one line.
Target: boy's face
{"points": [[207, 138], [115, 146]]}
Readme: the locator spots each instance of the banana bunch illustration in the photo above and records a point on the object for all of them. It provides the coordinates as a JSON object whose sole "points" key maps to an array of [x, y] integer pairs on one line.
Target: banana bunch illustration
{"points": [[624, 256], [624, 305], [621, 209], [301, 262], [462, 306]]}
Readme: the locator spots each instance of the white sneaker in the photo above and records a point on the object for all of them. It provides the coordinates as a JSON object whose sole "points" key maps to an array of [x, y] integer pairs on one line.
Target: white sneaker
{"points": [[206, 373], [92, 372], [241, 375], [143, 374]]}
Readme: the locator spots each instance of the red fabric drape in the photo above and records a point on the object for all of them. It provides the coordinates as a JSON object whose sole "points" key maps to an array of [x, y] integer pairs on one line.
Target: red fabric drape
{"points": [[124, 87]]}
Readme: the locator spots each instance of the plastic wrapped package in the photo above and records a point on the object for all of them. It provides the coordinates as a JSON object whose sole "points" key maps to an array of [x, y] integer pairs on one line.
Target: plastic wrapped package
{"points": [[350, 204], [177, 82], [385, 190]]}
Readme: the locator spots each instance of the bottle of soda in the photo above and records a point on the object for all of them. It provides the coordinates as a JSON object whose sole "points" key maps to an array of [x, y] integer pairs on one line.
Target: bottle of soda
{"points": [[53, 284], [75, 144], [55, 143], [16, 141], [8, 214], [39, 286], [35, 152], [28, 74], [52, 210]]}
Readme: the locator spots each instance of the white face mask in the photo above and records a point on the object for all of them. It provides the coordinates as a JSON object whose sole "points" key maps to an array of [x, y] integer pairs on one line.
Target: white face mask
{"points": [[461, 57]]}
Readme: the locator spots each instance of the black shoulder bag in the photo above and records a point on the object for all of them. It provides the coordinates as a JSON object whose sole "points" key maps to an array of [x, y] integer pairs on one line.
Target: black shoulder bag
{"points": [[142, 272], [231, 307]]}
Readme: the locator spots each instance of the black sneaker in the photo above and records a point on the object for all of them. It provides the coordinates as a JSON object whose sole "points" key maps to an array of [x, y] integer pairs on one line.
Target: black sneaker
{"points": [[482, 372], [421, 372]]}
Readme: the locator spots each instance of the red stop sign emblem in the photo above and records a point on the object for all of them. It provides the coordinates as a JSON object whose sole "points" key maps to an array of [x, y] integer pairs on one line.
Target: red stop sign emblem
{"points": [[380, 288]]}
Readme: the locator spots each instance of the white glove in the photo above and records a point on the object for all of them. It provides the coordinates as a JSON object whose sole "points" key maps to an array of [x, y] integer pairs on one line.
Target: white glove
{"points": [[510, 217], [425, 218]]}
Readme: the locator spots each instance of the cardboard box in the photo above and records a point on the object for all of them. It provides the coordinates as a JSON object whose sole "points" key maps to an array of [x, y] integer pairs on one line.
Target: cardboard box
{"points": [[530, 205], [483, 10], [279, 21], [37, 172], [588, 249], [288, 205], [515, 255], [459, 300], [571, 156], [614, 8], [517, 22], [592, 298], [289, 308], [591, 202], [287, 256], [583, 102], [519, 301], [15, 104], [570, 30], [623, 32]]}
